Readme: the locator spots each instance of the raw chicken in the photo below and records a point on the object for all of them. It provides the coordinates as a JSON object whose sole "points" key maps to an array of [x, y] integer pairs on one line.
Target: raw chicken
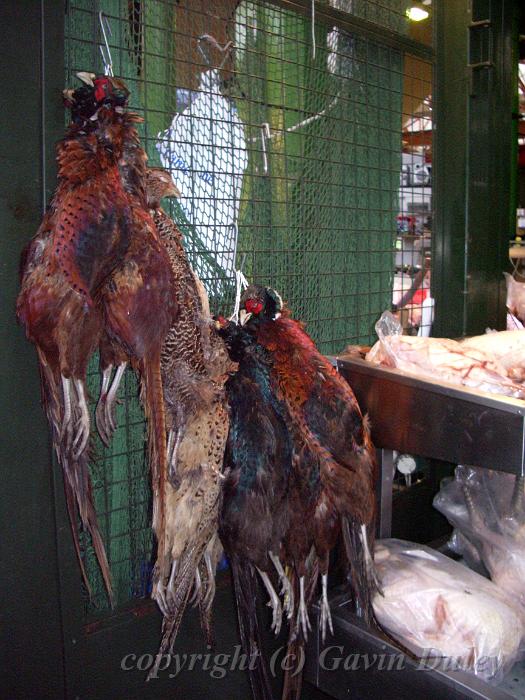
{"points": [[508, 347], [515, 296], [449, 360], [440, 610]]}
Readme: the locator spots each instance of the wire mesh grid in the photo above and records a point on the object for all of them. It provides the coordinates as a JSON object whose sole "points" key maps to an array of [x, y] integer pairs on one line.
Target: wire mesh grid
{"points": [[389, 14], [411, 285], [287, 149]]}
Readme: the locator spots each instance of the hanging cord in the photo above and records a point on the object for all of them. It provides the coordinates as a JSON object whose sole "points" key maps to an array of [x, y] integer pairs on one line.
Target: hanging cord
{"points": [[105, 51], [241, 283], [313, 29]]}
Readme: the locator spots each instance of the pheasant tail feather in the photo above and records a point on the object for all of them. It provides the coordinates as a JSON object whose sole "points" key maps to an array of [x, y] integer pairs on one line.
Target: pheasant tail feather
{"points": [[245, 586], [152, 398], [77, 482]]}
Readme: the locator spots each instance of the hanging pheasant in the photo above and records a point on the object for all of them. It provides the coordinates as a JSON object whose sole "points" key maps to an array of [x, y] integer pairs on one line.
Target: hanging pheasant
{"points": [[195, 366], [324, 411], [331, 485], [276, 515], [81, 239], [254, 516], [140, 306], [97, 274]]}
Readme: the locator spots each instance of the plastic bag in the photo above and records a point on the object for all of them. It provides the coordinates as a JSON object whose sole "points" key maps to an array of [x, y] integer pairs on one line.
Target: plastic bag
{"points": [[462, 546], [515, 296], [488, 508], [441, 358], [440, 610], [205, 151], [514, 324], [387, 327]]}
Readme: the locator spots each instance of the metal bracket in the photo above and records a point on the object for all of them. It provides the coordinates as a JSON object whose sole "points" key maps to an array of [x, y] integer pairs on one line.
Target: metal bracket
{"points": [[480, 64], [385, 459], [482, 24]]}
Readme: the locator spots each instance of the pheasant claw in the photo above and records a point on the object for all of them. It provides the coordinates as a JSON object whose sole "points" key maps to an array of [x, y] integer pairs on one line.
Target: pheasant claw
{"points": [[112, 400], [158, 595], [82, 428], [105, 414], [286, 586], [274, 603], [369, 560], [100, 411], [326, 617], [66, 421], [303, 620], [196, 588]]}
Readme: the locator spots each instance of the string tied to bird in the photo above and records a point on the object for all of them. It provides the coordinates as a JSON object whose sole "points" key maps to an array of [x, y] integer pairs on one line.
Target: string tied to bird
{"points": [[105, 51], [241, 283]]}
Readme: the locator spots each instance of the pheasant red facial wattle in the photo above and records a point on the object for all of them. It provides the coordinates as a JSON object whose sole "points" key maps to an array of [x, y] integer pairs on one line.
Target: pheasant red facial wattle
{"points": [[102, 87], [253, 306]]}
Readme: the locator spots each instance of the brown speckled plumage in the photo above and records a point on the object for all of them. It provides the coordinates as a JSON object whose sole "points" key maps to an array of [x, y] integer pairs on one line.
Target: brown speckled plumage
{"points": [[83, 235], [195, 366], [140, 306]]}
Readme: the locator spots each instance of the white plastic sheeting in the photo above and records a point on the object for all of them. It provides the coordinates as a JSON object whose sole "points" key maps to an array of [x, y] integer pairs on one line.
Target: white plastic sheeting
{"points": [[205, 151]]}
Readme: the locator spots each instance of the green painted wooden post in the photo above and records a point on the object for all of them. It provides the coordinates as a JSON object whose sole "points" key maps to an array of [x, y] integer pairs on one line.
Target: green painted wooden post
{"points": [[473, 166], [32, 76]]}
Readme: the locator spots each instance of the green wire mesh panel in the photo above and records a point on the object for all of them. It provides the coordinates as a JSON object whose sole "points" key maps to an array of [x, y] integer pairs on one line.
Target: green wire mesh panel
{"points": [[287, 150], [122, 501], [318, 211]]}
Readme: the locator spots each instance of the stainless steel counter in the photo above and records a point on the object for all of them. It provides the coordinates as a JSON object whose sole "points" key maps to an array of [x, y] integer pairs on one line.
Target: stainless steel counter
{"points": [[438, 420], [434, 420]]}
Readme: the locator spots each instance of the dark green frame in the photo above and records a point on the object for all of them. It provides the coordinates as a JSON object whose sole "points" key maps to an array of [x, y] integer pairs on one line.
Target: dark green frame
{"points": [[47, 650], [475, 165], [31, 629]]}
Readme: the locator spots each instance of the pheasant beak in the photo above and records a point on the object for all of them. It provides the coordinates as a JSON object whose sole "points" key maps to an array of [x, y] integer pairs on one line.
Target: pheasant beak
{"points": [[244, 317], [173, 191], [87, 78], [219, 322], [68, 95]]}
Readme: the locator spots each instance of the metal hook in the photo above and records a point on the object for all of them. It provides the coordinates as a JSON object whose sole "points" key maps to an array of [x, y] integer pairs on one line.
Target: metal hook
{"points": [[265, 134], [226, 49], [105, 51], [313, 28]]}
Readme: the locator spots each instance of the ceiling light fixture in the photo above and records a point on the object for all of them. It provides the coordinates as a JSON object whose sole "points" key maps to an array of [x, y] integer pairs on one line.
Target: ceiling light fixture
{"points": [[417, 13]]}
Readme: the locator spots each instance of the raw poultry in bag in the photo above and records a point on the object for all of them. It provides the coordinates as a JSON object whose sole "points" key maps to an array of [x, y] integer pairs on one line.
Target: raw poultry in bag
{"points": [[515, 296], [488, 509], [506, 347], [442, 358], [444, 613]]}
